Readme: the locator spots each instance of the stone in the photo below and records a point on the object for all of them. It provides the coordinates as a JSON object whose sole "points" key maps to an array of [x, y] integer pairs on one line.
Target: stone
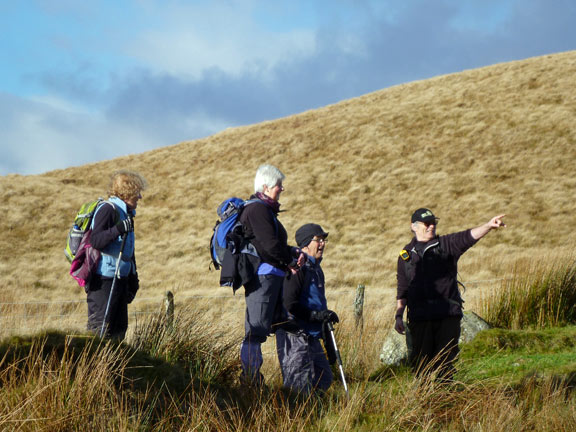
{"points": [[471, 325], [395, 349]]}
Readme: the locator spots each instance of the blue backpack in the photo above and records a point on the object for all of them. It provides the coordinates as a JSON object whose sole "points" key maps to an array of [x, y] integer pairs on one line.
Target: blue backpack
{"points": [[228, 230]]}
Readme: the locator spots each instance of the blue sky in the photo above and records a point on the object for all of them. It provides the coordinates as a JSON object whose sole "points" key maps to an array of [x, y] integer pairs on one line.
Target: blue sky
{"points": [[83, 81]]}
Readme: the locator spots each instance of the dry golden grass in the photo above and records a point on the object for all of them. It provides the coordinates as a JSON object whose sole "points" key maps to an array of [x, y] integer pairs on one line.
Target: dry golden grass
{"points": [[75, 385], [469, 145]]}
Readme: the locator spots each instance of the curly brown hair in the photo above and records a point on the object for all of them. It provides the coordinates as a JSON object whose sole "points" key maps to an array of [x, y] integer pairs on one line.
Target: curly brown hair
{"points": [[126, 184]]}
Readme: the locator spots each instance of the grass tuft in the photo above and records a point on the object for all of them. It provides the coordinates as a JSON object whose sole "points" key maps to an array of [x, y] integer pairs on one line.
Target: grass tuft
{"points": [[192, 341], [537, 295]]}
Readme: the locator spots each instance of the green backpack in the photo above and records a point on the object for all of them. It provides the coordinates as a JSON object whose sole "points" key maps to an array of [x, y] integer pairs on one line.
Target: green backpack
{"points": [[81, 225]]}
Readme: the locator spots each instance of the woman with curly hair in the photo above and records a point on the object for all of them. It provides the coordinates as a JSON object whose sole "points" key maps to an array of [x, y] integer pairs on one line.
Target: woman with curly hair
{"points": [[112, 227]]}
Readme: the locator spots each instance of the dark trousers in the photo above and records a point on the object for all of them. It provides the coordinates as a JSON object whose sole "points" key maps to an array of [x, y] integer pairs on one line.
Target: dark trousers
{"points": [[97, 299], [263, 304], [435, 346]]}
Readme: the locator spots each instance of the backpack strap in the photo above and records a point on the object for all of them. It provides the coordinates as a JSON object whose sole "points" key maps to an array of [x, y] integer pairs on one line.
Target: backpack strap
{"points": [[116, 212], [409, 267]]}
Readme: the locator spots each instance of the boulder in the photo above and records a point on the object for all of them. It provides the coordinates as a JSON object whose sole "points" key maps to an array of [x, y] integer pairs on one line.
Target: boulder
{"points": [[396, 347], [471, 325], [395, 350]]}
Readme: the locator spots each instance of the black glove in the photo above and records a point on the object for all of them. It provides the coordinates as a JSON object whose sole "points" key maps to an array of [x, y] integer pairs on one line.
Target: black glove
{"points": [[125, 226], [295, 252], [324, 316], [328, 344]]}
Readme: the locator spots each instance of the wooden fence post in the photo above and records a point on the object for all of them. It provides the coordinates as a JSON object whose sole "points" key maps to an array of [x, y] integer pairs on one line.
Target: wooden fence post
{"points": [[359, 307], [169, 305]]}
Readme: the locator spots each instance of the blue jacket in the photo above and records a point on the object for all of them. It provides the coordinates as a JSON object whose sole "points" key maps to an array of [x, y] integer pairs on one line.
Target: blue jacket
{"points": [[107, 239], [303, 293]]}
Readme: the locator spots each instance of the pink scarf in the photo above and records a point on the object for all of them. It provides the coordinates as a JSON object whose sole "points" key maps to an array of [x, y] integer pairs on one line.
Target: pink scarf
{"points": [[275, 205]]}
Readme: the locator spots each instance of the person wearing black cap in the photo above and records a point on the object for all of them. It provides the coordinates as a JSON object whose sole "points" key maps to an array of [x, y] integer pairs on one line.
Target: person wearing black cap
{"points": [[427, 285], [304, 364]]}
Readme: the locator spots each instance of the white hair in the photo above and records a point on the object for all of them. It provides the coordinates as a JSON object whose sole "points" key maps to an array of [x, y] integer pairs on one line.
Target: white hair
{"points": [[267, 175]]}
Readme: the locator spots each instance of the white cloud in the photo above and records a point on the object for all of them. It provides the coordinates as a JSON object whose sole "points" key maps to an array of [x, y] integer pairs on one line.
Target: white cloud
{"points": [[224, 36], [38, 137]]}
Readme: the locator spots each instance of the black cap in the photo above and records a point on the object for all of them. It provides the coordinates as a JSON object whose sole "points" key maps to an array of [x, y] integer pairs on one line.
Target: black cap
{"points": [[423, 215], [306, 233]]}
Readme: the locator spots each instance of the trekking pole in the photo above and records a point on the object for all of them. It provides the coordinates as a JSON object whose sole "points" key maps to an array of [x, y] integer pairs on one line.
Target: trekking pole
{"points": [[116, 275], [338, 358]]}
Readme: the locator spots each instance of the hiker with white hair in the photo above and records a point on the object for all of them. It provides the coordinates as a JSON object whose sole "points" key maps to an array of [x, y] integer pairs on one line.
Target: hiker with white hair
{"points": [[427, 285], [263, 293]]}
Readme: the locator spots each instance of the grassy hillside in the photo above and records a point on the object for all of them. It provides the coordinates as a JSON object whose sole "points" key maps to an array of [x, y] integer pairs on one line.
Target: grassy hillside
{"points": [[468, 145]]}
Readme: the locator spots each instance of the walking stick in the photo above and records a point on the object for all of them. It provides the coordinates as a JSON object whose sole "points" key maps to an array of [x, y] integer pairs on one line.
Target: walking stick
{"points": [[338, 358], [116, 275]]}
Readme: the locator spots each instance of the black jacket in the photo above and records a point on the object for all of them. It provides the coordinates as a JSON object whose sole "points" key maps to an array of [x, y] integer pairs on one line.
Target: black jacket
{"points": [[263, 229], [428, 279]]}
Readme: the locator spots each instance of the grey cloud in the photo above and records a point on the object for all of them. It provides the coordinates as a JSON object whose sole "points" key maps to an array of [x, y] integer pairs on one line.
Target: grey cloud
{"points": [[419, 43]]}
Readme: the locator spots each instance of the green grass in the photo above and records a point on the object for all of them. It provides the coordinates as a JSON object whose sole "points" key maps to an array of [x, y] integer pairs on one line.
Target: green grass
{"points": [[515, 367], [507, 357], [513, 355], [549, 340]]}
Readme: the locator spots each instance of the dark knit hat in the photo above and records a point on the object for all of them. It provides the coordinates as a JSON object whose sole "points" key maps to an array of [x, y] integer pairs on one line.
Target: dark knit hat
{"points": [[306, 233]]}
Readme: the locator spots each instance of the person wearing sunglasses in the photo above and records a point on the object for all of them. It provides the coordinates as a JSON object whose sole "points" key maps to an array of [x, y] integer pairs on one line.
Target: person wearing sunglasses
{"points": [[427, 286], [305, 367]]}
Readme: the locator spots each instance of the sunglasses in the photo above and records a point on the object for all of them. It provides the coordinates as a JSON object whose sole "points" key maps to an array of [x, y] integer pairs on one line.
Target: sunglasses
{"points": [[428, 223], [320, 240]]}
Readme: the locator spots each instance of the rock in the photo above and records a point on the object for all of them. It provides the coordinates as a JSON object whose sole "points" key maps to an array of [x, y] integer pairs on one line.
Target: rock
{"points": [[394, 350], [471, 325], [396, 346]]}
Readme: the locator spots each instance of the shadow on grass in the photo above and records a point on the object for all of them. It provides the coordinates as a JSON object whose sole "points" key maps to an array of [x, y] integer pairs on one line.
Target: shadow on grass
{"points": [[150, 384]]}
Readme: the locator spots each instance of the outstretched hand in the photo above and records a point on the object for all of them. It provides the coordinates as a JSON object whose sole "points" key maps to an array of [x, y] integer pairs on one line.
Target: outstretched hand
{"points": [[496, 222], [482, 230]]}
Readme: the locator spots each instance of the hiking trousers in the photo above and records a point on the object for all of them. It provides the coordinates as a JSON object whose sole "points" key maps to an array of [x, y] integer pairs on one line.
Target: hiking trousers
{"points": [[435, 346], [263, 304], [97, 299], [303, 362]]}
